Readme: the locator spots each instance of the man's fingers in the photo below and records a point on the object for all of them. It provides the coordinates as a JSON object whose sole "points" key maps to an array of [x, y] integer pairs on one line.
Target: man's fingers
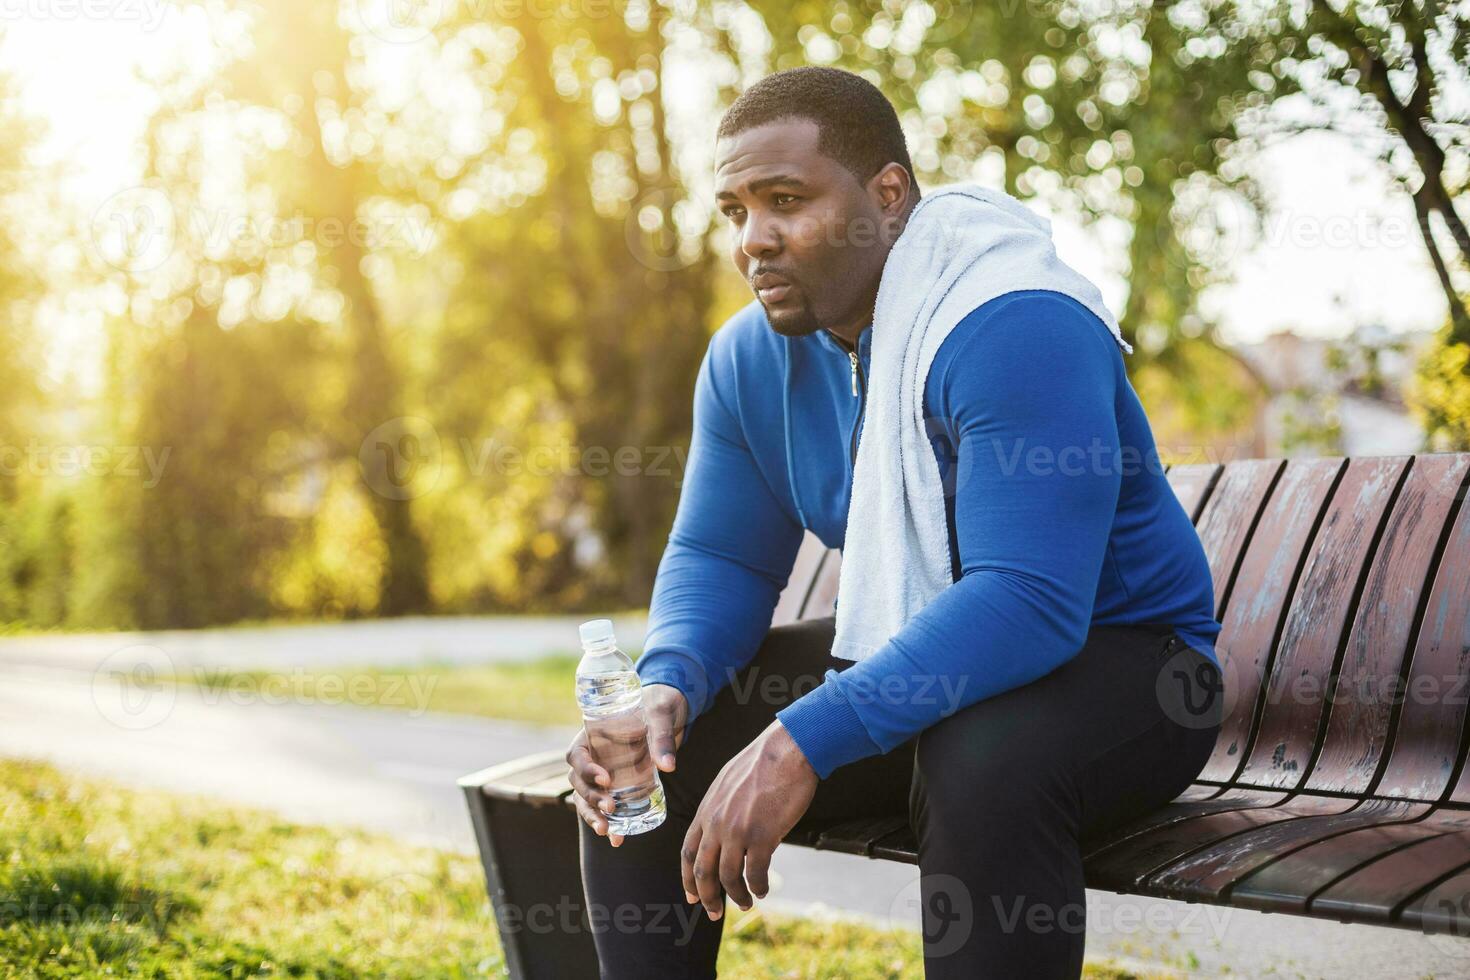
{"points": [[687, 855], [588, 779], [707, 875], [757, 871], [661, 743], [579, 757], [586, 791], [597, 820], [665, 733], [590, 816], [732, 868]]}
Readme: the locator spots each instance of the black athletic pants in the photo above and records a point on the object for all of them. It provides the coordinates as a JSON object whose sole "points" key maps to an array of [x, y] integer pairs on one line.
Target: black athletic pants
{"points": [[1000, 795]]}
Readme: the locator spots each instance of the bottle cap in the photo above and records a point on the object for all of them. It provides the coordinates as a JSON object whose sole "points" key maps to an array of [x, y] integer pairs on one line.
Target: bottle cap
{"points": [[596, 632]]}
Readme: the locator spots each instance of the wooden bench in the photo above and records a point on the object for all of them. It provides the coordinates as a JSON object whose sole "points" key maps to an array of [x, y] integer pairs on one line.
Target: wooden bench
{"points": [[1338, 788]]}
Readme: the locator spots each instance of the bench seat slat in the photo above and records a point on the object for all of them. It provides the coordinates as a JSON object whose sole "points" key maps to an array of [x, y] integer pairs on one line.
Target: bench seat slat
{"points": [[1287, 885], [1180, 809], [902, 845], [803, 836], [1445, 908], [1373, 892], [551, 789], [822, 600], [1207, 874], [1128, 865], [859, 836], [515, 780]]}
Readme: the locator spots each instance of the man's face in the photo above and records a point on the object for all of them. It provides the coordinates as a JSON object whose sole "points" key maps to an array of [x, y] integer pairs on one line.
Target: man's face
{"points": [[808, 236]]}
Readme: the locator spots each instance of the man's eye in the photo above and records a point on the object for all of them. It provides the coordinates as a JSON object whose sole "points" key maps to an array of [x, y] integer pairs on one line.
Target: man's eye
{"points": [[782, 199], [733, 213]]}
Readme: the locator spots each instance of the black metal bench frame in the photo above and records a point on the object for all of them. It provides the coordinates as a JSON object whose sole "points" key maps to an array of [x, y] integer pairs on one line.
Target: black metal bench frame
{"points": [[1338, 789]]}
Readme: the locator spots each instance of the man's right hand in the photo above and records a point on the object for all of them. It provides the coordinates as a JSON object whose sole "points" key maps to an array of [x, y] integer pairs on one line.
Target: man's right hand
{"points": [[667, 712]]}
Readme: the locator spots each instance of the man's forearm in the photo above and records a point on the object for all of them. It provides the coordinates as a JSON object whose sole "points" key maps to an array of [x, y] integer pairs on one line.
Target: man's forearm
{"points": [[706, 620], [979, 638]]}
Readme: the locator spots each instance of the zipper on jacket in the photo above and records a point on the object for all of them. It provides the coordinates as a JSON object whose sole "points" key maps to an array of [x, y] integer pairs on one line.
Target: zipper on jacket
{"points": [[859, 390]]}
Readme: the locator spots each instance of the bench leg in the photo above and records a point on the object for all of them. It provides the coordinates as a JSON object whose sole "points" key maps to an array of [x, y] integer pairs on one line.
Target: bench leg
{"points": [[535, 882]]}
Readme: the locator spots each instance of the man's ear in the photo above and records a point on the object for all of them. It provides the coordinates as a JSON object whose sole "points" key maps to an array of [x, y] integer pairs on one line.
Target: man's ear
{"points": [[892, 189]]}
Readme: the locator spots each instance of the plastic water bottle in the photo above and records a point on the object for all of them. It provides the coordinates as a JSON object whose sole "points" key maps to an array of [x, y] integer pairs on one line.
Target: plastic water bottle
{"points": [[611, 698]]}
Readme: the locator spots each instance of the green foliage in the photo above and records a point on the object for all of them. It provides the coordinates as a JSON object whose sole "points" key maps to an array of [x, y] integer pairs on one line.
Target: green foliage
{"points": [[1440, 396], [1310, 423]]}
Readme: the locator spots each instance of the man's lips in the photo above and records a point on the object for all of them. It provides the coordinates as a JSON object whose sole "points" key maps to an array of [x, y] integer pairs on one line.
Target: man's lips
{"points": [[770, 288]]}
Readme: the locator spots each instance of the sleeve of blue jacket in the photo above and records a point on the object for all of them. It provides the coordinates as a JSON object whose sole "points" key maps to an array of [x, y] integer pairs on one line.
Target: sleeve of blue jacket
{"points": [[729, 554], [1027, 389]]}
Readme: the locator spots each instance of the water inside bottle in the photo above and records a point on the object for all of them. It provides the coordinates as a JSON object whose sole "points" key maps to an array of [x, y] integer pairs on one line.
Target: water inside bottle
{"points": [[617, 734]]}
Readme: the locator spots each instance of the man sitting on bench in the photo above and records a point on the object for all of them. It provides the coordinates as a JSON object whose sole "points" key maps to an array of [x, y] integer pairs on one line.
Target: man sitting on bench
{"points": [[1065, 681]]}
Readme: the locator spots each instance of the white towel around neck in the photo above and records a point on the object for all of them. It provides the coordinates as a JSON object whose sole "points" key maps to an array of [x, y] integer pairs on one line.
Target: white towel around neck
{"points": [[963, 245]]}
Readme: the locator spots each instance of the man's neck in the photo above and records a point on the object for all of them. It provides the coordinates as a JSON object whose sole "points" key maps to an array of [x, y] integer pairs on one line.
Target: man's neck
{"points": [[848, 335]]}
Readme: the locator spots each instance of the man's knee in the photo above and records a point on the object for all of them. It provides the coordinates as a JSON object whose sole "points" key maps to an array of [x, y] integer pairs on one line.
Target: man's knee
{"points": [[988, 765]]}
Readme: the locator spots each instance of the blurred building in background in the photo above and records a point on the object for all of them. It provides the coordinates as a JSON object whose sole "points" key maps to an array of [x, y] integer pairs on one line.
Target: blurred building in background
{"points": [[1337, 396]]}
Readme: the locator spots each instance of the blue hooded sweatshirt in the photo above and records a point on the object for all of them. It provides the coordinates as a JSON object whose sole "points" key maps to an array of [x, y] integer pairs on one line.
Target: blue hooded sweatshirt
{"points": [[1060, 517]]}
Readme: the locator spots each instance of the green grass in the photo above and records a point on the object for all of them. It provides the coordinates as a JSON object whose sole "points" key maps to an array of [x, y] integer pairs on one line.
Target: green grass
{"points": [[98, 881], [539, 691]]}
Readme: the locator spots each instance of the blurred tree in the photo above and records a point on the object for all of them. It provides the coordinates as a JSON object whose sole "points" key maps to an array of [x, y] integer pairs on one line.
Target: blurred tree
{"points": [[257, 347], [20, 288], [1440, 395], [582, 293], [34, 520], [1386, 75], [329, 177], [1392, 68]]}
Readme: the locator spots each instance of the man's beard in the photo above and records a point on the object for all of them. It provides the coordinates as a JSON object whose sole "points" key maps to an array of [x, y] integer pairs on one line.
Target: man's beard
{"points": [[794, 323]]}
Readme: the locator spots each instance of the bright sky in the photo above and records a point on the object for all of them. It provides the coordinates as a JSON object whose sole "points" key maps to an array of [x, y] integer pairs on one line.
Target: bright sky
{"points": [[1342, 249]]}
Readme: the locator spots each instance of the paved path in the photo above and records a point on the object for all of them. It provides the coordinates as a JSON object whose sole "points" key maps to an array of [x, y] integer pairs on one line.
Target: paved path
{"points": [[395, 772], [387, 642]]}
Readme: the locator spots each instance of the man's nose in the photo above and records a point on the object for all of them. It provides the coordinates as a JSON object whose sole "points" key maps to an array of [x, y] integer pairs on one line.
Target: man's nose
{"points": [[761, 237]]}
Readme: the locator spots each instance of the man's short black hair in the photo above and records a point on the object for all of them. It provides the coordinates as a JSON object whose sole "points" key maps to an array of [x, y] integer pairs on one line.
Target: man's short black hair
{"points": [[858, 125]]}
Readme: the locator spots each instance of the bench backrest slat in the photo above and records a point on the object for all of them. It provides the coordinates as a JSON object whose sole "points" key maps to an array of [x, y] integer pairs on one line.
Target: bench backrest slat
{"points": [[1230, 517], [809, 560], [1366, 690], [1316, 623], [1258, 602], [1427, 744], [823, 598], [1192, 483]]}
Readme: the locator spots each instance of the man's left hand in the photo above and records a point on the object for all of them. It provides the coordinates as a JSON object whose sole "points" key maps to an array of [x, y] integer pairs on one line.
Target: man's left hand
{"points": [[753, 803]]}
